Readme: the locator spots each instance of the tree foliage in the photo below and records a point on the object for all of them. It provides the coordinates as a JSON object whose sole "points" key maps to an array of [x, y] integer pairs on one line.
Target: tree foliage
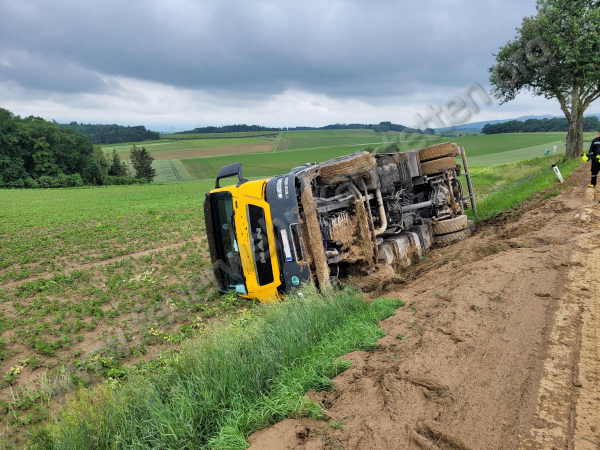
{"points": [[112, 134], [33, 147], [242, 128], [117, 168], [590, 123], [556, 54], [35, 153], [141, 160]]}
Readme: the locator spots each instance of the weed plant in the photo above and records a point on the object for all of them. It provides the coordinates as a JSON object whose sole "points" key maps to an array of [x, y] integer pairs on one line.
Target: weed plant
{"points": [[232, 380]]}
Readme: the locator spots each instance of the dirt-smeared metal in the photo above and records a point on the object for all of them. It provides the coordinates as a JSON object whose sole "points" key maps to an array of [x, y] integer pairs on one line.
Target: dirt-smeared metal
{"points": [[312, 231]]}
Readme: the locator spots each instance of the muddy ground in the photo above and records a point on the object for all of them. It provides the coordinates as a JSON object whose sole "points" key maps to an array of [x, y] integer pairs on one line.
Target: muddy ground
{"points": [[496, 348]]}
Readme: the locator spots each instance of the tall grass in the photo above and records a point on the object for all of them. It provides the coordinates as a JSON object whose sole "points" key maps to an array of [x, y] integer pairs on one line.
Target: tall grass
{"points": [[509, 195], [233, 380]]}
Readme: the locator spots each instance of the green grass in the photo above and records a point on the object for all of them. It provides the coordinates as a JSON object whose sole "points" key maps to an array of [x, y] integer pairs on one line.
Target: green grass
{"points": [[232, 381], [502, 187]]}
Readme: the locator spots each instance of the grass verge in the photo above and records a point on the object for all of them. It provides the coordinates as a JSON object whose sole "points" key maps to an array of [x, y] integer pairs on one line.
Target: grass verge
{"points": [[232, 380], [513, 183]]}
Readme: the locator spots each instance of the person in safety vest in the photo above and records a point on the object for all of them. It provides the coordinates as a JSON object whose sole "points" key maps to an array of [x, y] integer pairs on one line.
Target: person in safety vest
{"points": [[594, 155]]}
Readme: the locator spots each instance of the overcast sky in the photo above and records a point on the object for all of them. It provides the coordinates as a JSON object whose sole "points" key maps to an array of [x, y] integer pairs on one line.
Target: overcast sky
{"points": [[180, 64]]}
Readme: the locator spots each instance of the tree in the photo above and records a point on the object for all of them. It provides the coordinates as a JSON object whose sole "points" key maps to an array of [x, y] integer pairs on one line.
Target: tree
{"points": [[117, 168], [92, 174], [555, 54], [100, 159], [141, 160]]}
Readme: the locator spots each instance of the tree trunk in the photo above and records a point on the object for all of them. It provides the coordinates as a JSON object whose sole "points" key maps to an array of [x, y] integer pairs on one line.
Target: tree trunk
{"points": [[571, 150], [579, 136]]}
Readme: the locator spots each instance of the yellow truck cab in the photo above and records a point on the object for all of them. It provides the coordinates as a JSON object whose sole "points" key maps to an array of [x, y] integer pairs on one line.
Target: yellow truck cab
{"points": [[253, 235]]}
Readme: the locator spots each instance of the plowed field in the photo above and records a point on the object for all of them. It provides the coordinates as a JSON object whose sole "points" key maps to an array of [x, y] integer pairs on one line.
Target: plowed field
{"points": [[496, 348]]}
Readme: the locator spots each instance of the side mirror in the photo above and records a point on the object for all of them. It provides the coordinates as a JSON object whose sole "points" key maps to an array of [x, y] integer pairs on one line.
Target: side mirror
{"points": [[230, 171]]}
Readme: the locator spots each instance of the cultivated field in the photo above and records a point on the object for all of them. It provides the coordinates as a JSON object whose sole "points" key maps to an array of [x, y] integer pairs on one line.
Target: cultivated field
{"points": [[495, 149], [176, 149], [240, 134], [170, 171], [272, 156]]}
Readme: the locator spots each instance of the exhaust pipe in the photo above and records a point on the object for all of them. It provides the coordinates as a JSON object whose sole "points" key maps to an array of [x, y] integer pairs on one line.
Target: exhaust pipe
{"points": [[382, 215]]}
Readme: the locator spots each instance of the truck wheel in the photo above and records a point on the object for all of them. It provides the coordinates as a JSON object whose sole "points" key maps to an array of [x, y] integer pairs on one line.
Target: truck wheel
{"points": [[438, 151], [345, 167], [453, 237], [451, 225], [438, 165]]}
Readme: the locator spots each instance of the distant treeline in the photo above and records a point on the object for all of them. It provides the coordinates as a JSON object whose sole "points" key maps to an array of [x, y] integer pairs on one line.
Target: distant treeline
{"points": [[228, 129], [590, 123], [382, 127], [37, 153], [112, 134], [239, 134]]}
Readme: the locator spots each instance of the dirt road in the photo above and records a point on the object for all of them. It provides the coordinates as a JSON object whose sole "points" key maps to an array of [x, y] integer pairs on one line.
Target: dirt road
{"points": [[496, 348]]}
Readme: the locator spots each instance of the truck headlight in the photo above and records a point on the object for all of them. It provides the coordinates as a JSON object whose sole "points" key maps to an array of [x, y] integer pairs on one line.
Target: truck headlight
{"points": [[285, 185], [278, 188]]}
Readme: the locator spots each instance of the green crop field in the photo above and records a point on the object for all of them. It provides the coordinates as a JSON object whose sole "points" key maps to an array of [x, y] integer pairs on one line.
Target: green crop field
{"points": [[267, 164], [300, 140], [44, 231], [170, 171], [498, 143]]}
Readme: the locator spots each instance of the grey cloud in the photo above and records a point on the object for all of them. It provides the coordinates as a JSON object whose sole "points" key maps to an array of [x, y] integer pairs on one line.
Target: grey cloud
{"points": [[340, 48], [40, 72]]}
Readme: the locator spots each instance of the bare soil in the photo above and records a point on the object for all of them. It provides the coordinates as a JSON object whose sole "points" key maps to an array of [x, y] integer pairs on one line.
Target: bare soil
{"points": [[496, 348], [200, 152]]}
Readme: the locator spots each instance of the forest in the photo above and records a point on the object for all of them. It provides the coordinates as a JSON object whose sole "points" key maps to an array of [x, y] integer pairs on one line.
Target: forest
{"points": [[590, 123], [37, 153], [112, 134], [382, 127], [228, 129]]}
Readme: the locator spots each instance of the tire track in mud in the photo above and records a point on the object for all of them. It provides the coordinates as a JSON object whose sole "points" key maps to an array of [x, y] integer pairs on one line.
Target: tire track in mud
{"points": [[470, 362], [568, 405]]}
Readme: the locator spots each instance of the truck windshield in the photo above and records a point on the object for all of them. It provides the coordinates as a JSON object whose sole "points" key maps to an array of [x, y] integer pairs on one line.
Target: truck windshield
{"points": [[226, 244]]}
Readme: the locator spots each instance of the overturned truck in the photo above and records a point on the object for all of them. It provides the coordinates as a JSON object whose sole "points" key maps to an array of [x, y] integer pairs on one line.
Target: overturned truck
{"points": [[321, 222]]}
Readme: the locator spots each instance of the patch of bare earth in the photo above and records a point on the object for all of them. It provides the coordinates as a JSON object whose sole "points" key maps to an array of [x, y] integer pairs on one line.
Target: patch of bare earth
{"points": [[200, 152], [496, 348]]}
